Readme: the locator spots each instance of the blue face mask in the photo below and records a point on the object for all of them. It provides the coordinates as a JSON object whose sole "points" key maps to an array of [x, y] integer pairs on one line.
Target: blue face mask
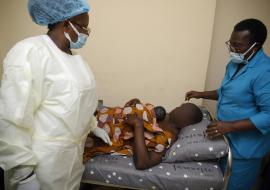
{"points": [[82, 38], [240, 57]]}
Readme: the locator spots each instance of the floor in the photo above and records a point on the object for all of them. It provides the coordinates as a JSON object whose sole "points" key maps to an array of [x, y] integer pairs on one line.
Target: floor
{"points": [[98, 187]]}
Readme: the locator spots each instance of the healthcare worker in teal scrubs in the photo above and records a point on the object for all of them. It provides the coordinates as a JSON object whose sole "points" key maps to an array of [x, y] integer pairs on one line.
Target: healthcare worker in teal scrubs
{"points": [[243, 103]]}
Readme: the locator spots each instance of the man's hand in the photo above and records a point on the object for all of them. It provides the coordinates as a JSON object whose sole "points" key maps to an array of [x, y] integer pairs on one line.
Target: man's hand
{"points": [[193, 94], [217, 129], [210, 95], [103, 135]]}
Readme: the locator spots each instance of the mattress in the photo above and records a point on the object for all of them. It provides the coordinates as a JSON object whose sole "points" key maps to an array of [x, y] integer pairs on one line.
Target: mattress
{"points": [[120, 171]]}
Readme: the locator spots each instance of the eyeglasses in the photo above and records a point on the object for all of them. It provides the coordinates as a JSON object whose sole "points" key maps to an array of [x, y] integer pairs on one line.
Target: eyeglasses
{"points": [[237, 48], [86, 29]]}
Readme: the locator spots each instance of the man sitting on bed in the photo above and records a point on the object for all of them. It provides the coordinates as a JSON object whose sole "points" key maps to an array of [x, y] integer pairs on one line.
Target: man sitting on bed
{"points": [[133, 131]]}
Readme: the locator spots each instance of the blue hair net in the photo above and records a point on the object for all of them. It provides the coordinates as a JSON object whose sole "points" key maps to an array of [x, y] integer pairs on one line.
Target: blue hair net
{"points": [[44, 12]]}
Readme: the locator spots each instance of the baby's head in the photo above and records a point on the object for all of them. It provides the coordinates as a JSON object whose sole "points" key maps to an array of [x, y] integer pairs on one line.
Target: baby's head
{"points": [[186, 114], [160, 113]]}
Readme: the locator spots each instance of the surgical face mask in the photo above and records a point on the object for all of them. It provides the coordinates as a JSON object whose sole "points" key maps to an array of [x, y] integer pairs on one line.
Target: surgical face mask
{"points": [[82, 38], [240, 57]]}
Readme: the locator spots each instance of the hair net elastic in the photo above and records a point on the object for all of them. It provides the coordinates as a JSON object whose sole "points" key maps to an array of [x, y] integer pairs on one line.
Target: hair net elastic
{"points": [[44, 12]]}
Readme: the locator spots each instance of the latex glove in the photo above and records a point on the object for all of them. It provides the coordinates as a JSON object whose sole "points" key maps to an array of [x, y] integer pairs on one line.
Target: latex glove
{"points": [[103, 135], [30, 183]]}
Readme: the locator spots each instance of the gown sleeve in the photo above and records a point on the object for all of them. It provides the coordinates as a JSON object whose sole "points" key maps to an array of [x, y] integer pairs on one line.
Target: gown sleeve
{"points": [[17, 106]]}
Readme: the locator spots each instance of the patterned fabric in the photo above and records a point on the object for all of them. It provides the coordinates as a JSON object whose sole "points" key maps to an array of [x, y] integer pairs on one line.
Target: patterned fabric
{"points": [[111, 120]]}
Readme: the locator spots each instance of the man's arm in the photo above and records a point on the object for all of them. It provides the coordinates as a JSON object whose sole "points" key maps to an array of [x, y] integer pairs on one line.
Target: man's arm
{"points": [[143, 158], [211, 95], [219, 128], [260, 121]]}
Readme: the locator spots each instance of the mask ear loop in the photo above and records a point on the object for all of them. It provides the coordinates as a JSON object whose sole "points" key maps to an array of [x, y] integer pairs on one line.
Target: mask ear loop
{"points": [[249, 50], [67, 34], [74, 28], [250, 55]]}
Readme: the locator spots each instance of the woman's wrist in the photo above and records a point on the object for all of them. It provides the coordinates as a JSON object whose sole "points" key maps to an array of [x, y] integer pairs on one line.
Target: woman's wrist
{"points": [[139, 123]]}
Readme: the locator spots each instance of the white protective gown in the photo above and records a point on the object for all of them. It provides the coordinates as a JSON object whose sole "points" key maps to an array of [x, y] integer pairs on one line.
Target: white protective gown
{"points": [[47, 101]]}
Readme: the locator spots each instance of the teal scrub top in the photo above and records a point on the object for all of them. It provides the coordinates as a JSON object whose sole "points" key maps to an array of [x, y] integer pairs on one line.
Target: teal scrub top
{"points": [[247, 96]]}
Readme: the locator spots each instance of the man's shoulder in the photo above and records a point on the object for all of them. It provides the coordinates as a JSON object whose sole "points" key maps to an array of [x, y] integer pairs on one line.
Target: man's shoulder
{"points": [[263, 65], [262, 60]]}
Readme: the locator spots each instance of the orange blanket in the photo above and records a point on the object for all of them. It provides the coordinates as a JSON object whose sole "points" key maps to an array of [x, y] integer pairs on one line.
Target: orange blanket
{"points": [[111, 120]]}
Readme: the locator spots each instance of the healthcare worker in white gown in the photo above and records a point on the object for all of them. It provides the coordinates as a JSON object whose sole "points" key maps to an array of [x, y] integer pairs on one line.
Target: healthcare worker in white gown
{"points": [[47, 100]]}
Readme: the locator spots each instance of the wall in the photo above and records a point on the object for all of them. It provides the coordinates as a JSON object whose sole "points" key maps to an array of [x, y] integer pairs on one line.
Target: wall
{"points": [[228, 13], [155, 50], [16, 25]]}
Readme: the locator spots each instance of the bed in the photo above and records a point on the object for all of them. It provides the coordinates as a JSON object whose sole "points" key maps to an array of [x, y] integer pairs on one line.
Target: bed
{"points": [[192, 174]]}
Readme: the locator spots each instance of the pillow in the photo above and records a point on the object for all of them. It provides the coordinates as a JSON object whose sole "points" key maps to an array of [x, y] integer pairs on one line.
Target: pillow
{"points": [[193, 145]]}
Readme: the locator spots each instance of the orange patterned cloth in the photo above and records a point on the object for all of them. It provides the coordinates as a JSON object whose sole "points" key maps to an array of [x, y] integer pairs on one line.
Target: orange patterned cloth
{"points": [[111, 120]]}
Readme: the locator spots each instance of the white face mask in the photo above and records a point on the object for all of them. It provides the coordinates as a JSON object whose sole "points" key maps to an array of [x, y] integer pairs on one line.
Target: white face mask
{"points": [[240, 57], [82, 38]]}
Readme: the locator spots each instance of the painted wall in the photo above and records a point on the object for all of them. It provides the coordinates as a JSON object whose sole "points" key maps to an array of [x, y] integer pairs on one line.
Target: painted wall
{"points": [[155, 50]]}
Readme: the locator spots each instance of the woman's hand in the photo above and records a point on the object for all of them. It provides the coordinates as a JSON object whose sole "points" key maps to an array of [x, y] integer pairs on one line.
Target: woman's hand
{"points": [[217, 129], [133, 120], [193, 94], [101, 133]]}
